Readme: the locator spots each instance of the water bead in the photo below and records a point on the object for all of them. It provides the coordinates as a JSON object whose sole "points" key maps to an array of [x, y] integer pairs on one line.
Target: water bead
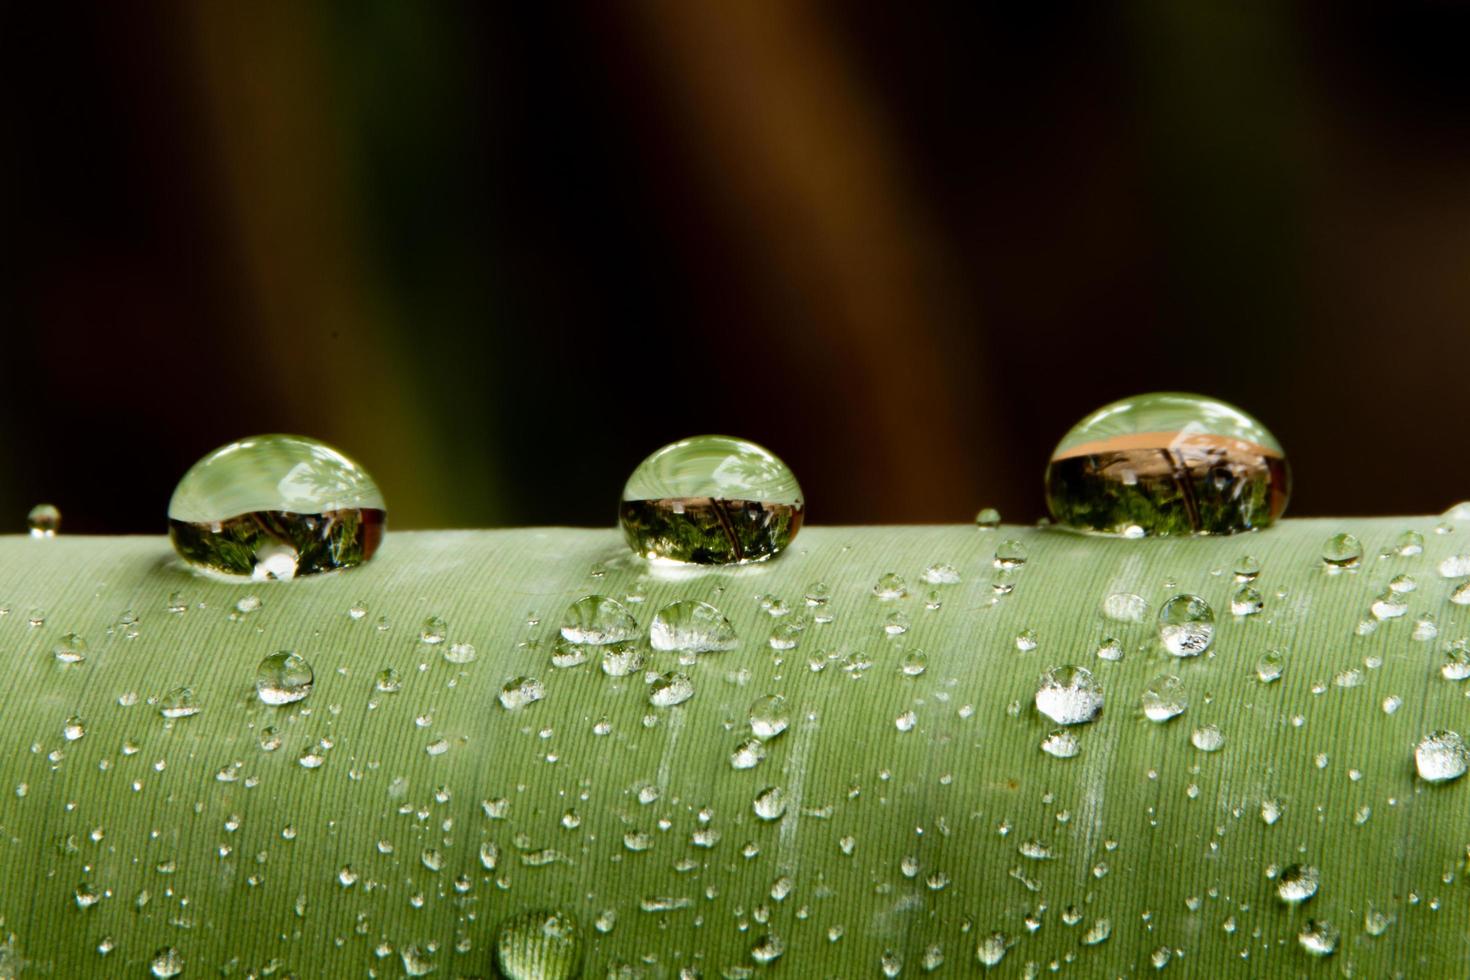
{"points": [[1207, 738], [691, 626], [539, 945], [769, 716], [1069, 695], [988, 519], [1318, 938], [518, 692], [1168, 463], [283, 678], [275, 506], [670, 689], [597, 620], [1441, 757], [1186, 625], [1164, 698], [1342, 551], [1060, 744], [44, 520], [711, 500]]}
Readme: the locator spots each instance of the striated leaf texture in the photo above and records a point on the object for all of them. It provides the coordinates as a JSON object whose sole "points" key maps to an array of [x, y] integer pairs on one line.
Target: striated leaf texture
{"points": [[905, 823]]}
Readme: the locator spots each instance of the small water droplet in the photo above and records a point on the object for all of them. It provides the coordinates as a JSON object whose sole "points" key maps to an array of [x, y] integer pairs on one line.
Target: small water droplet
{"points": [[388, 681], [711, 500], [748, 754], [1441, 756], [1164, 698], [461, 653], [1125, 607], [1247, 568], [941, 573], [988, 519], [1097, 932], [44, 520], [1186, 625], [1271, 666], [597, 621], [166, 962], [433, 630], [620, 659], [1110, 649], [914, 663], [1060, 744], [670, 689], [1168, 463], [71, 650], [73, 729], [1318, 938], [1247, 601], [178, 703], [275, 506], [539, 945], [767, 949], [1069, 695], [769, 716], [1026, 641], [1010, 554], [1342, 551], [283, 678], [1297, 883], [1207, 738], [890, 587], [518, 692], [691, 626], [770, 803]]}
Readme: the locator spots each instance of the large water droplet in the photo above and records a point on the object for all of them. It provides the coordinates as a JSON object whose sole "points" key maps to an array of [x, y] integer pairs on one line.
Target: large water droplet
{"points": [[1186, 625], [770, 803], [276, 506], [283, 678], [1318, 938], [597, 620], [1207, 738], [1297, 883], [987, 519], [1069, 695], [167, 962], [178, 703], [712, 500], [670, 689], [539, 945], [1164, 698], [44, 520], [691, 626], [992, 949], [1342, 551], [518, 692], [1168, 463], [1441, 756]]}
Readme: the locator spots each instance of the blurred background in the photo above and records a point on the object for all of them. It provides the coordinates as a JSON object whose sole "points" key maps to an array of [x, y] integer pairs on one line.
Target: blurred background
{"points": [[499, 253]]}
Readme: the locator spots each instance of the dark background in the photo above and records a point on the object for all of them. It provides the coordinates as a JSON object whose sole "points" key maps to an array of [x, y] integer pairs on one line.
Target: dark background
{"points": [[498, 253]]}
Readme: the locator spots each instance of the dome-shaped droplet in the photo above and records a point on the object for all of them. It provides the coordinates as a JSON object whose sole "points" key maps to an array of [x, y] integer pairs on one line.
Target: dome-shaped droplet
{"points": [[1186, 625], [1441, 756], [1168, 463], [1069, 695], [1297, 883], [283, 678], [769, 716], [597, 620], [179, 703], [1342, 551], [1207, 738], [670, 689], [44, 520], [276, 506], [518, 692], [539, 945], [1164, 698], [1061, 744], [1318, 938], [166, 963], [691, 626], [711, 500]]}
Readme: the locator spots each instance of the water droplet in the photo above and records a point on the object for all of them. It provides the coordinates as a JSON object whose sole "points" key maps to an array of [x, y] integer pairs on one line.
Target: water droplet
{"points": [[1247, 568], [1457, 662], [178, 703], [1010, 554], [621, 659], [1247, 601], [767, 949], [1342, 551], [1388, 605], [462, 653], [275, 506], [770, 803], [906, 721], [433, 630], [769, 716], [896, 623], [1207, 738], [1164, 698], [539, 945], [71, 650], [1098, 932], [73, 729], [1110, 649], [748, 754], [1375, 922], [518, 692], [1060, 744], [1168, 463], [44, 520], [597, 620], [914, 663], [1318, 938], [270, 739], [890, 587], [1409, 544], [1186, 625], [1402, 584], [167, 962], [283, 678], [1125, 607], [691, 626], [1271, 666], [988, 519], [388, 681], [1026, 641], [1297, 883], [1069, 695], [711, 500], [941, 573], [670, 689], [1441, 756]]}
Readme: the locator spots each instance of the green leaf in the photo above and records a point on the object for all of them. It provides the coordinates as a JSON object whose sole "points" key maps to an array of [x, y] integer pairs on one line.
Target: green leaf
{"points": [[913, 813]]}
